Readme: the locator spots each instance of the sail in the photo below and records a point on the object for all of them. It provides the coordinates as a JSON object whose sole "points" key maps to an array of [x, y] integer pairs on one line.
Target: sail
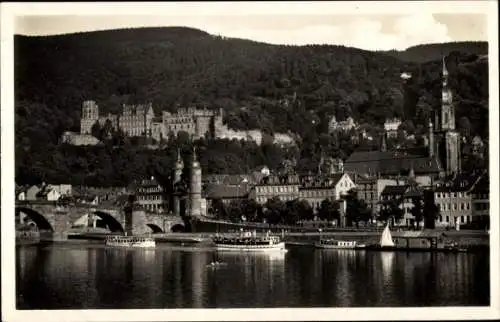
{"points": [[386, 239]]}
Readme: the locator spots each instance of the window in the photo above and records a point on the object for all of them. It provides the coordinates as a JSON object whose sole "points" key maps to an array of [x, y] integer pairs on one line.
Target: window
{"points": [[454, 206], [447, 218], [462, 219], [462, 206]]}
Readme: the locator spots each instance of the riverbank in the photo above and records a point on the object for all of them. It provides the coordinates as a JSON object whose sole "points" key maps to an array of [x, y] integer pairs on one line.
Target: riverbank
{"points": [[467, 239]]}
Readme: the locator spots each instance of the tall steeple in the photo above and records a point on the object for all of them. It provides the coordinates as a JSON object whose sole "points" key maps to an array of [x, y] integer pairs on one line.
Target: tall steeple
{"points": [[448, 134], [195, 187], [447, 108], [383, 145], [431, 139]]}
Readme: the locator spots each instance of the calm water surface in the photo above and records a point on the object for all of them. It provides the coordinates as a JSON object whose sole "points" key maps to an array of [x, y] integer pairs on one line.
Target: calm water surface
{"points": [[89, 276]]}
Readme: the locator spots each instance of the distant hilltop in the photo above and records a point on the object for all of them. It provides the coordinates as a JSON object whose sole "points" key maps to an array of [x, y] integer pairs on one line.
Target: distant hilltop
{"points": [[429, 52]]}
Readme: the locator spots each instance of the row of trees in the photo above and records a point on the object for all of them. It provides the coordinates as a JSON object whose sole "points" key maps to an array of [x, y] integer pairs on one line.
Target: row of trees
{"points": [[291, 212]]}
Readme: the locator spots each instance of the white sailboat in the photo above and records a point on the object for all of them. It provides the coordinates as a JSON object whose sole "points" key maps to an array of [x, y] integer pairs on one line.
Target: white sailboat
{"points": [[386, 238]]}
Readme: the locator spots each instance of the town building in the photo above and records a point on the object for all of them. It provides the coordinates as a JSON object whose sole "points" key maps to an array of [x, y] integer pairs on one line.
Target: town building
{"points": [[393, 164], [454, 200], [225, 193], [404, 195], [48, 193], [151, 195], [370, 190], [63, 189], [481, 200], [285, 187], [315, 189]]}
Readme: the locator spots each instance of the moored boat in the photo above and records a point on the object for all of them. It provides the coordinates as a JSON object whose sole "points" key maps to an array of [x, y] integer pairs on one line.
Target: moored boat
{"points": [[249, 241], [414, 241], [130, 241], [338, 244]]}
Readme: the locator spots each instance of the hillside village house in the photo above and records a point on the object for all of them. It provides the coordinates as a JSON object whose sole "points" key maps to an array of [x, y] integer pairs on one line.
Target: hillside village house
{"points": [[342, 126], [455, 199], [391, 127]]}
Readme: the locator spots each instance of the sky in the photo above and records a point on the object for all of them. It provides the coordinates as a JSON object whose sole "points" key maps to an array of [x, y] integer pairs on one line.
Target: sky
{"points": [[371, 31]]}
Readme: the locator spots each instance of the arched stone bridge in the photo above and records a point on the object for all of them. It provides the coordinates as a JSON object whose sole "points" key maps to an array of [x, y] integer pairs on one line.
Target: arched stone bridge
{"points": [[59, 219]]}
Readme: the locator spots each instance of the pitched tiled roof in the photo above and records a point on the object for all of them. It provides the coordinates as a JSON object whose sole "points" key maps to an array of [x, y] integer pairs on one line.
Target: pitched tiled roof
{"points": [[395, 190], [483, 185], [390, 163], [413, 191], [462, 182], [225, 191]]}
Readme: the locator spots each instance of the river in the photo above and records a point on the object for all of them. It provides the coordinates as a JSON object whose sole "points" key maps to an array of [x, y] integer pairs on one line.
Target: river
{"points": [[88, 276]]}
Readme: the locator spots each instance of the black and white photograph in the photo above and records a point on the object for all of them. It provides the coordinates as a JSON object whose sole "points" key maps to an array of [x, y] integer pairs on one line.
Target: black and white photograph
{"points": [[271, 160]]}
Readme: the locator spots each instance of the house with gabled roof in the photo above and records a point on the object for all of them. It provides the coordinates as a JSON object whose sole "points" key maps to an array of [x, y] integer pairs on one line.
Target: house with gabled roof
{"points": [[405, 195], [48, 193], [455, 197], [314, 189]]}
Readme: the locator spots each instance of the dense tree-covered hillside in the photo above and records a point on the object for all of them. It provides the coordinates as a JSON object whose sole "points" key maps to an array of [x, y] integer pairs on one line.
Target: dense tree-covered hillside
{"points": [[268, 87]]}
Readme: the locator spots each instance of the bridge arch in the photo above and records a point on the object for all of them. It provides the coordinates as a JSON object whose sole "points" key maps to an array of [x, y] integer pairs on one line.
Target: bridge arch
{"points": [[113, 224], [155, 228], [178, 228], [41, 222]]}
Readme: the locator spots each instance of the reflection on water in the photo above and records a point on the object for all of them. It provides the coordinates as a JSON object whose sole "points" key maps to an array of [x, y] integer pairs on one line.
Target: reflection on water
{"points": [[91, 276]]}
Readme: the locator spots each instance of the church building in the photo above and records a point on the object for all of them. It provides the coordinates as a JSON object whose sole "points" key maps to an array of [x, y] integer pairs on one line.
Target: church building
{"points": [[444, 140]]}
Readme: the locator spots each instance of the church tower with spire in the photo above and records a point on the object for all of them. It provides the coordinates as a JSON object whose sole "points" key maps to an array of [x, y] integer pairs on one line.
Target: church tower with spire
{"points": [[195, 204], [446, 139]]}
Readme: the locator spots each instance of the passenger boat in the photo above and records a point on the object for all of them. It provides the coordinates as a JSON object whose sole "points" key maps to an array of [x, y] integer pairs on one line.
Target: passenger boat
{"points": [[130, 241], [338, 244], [249, 241]]}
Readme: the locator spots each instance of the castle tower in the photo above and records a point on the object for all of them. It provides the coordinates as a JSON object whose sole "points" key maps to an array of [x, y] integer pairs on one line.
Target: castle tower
{"points": [[195, 188], [90, 115], [179, 166]]}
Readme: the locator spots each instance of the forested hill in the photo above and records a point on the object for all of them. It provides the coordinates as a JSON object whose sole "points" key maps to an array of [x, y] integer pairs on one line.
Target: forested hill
{"points": [[249, 80], [430, 52]]}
